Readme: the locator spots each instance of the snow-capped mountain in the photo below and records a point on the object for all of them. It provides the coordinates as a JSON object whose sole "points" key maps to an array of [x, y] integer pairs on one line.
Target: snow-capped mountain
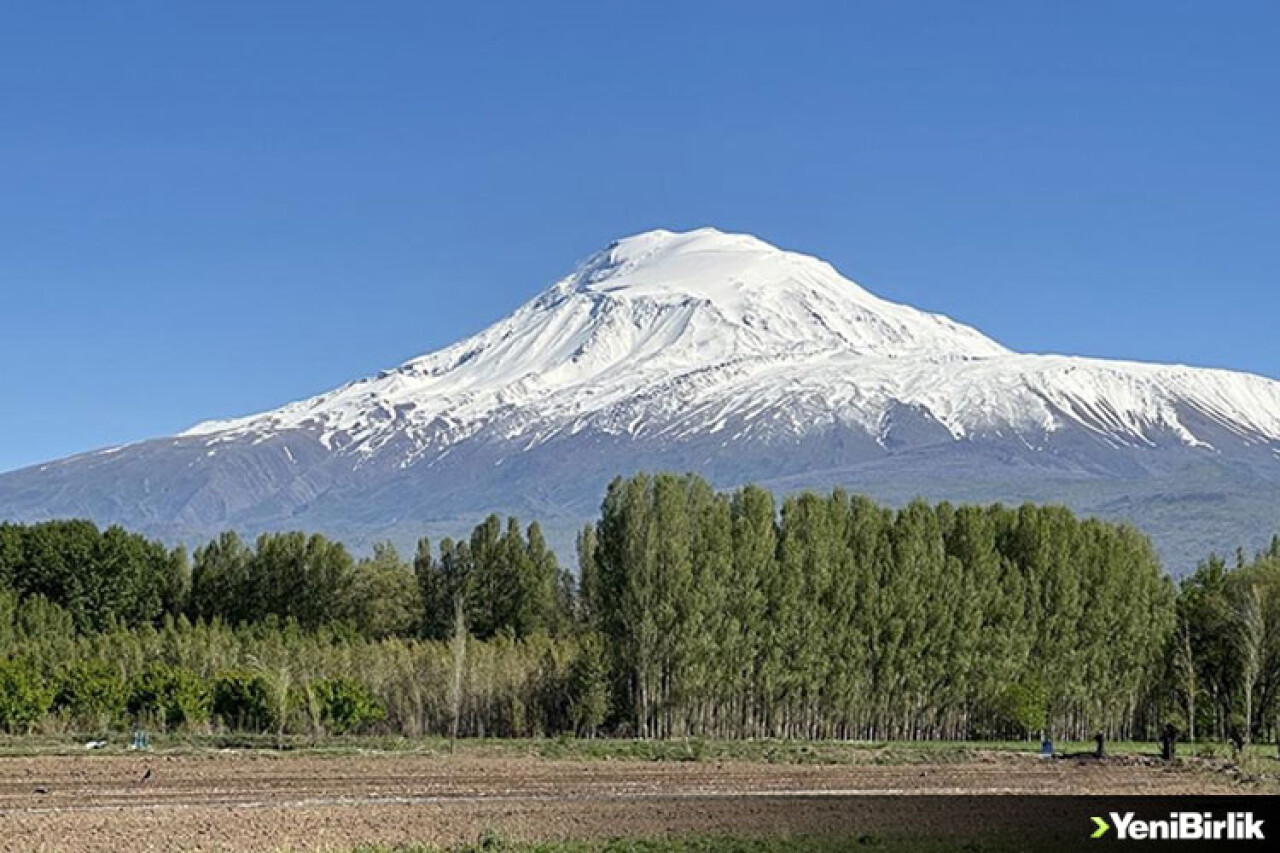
{"points": [[646, 328], [713, 352]]}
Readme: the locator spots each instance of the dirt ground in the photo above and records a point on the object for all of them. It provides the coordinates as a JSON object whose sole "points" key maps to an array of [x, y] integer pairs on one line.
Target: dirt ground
{"points": [[246, 802]]}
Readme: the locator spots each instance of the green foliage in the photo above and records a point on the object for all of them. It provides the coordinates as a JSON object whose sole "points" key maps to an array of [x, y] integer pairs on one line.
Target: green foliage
{"points": [[696, 615], [24, 700], [441, 584], [347, 706], [509, 580], [385, 597], [1025, 705], [1224, 670], [587, 686], [244, 701], [287, 575], [168, 697], [839, 618], [435, 597], [221, 580], [37, 616], [98, 577], [588, 600], [91, 693]]}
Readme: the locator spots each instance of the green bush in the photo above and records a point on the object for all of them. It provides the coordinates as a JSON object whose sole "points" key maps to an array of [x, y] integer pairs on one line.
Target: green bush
{"points": [[24, 700], [347, 706], [242, 700], [169, 697], [92, 693]]}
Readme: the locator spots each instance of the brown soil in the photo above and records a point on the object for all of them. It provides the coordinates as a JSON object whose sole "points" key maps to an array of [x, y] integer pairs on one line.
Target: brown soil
{"points": [[263, 802]]}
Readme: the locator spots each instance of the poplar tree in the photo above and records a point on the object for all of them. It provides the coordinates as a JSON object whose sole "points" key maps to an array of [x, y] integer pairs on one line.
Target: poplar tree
{"points": [[588, 598]]}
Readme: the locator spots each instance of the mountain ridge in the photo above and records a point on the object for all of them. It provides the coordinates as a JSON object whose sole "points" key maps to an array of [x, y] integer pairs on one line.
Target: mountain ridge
{"points": [[713, 351], [668, 307]]}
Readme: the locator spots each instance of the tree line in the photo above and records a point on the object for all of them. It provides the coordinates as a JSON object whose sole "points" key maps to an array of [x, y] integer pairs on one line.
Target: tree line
{"points": [[693, 613], [1223, 658], [837, 617]]}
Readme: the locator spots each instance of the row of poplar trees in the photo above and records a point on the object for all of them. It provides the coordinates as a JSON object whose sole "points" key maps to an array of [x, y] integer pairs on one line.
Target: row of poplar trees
{"points": [[837, 617], [1223, 665], [696, 613]]}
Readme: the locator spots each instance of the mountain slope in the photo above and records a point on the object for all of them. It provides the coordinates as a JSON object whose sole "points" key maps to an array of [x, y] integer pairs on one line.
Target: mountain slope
{"points": [[719, 353]]}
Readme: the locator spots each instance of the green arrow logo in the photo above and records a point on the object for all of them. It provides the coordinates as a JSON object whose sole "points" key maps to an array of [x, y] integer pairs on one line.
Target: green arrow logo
{"points": [[1102, 825]]}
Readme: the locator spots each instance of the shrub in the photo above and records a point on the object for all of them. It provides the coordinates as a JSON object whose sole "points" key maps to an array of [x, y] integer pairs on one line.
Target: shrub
{"points": [[347, 706], [169, 697], [92, 693], [243, 701], [24, 700]]}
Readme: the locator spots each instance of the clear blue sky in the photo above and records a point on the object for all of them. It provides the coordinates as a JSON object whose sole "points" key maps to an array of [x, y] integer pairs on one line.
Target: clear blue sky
{"points": [[208, 209]]}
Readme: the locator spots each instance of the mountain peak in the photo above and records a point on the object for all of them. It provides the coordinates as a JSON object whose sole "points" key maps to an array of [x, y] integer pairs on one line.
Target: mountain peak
{"points": [[705, 262], [771, 298], [646, 311], [661, 241]]}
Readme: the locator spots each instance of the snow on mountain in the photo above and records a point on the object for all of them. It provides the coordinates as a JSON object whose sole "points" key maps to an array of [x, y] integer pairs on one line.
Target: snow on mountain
{"points": [[666, 334], [716, 353]]}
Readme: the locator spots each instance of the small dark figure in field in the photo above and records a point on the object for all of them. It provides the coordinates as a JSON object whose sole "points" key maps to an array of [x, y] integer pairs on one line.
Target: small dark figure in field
{"points": [[1169, 742], [1101, 740], [145, 776]]}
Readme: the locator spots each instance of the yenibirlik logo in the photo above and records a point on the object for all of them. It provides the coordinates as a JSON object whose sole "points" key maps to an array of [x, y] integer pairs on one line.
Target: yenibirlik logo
{"points": [[1182, 826]]}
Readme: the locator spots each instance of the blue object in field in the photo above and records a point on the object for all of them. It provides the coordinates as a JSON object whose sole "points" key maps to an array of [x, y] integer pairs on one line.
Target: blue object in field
{"points": [[140, 740], [1046, 748]]}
